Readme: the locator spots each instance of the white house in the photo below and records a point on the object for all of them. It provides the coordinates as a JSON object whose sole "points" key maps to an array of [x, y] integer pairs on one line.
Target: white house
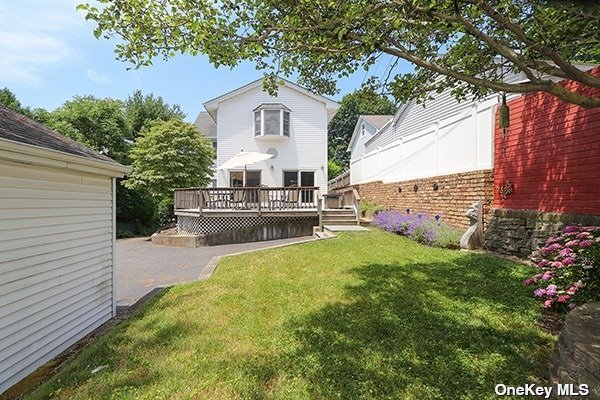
{"points": [[57, 243], [292, 126]]}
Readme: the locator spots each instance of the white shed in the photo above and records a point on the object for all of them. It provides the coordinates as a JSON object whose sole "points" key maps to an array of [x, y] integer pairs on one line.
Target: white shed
{"points": [[57, 243]]}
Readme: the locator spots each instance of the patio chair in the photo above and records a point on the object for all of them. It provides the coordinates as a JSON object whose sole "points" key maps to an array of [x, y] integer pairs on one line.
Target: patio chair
{"points": [[291, 197], [238, 199], [207, 201], [264, 197]]}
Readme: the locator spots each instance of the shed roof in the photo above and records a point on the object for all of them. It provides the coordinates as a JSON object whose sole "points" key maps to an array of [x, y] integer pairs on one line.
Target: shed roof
{"points": [[21, 129]]}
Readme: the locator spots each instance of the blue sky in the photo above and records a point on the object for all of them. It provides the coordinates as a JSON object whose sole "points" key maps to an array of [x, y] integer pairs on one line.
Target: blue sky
{"points": [[48, 54]]}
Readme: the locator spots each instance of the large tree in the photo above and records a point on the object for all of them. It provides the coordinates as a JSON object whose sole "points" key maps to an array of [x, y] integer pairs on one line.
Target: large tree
{"points": [[170, 154], [97, 123], [341, 127], [141, 109], [474, 42], [9, 100]]}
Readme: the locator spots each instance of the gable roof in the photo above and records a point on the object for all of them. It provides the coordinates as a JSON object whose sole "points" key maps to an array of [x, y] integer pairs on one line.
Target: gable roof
{"points": [[377, 121], [18, 128], [212, 105], [206, 125]]}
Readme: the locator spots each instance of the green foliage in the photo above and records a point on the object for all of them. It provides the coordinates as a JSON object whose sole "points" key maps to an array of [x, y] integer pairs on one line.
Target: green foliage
{"points": [[369, 207], [165, 213], [97, 123], [169, 155], [452, 43], [10, 101], [365, 101], [124, 234], [369, 315], [134, 205], [333, 169], [142, 109], [447, 236]]}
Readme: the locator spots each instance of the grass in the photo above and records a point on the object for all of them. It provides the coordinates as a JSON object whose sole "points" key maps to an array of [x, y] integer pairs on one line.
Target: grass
{"points": [[365, 315]]}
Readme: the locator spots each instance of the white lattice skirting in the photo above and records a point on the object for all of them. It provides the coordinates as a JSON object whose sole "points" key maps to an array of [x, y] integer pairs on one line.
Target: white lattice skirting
{"points": [[187, 225]]}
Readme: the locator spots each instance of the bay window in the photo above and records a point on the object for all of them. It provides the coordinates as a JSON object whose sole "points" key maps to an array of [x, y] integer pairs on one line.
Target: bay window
{"points": [[272, 120]]}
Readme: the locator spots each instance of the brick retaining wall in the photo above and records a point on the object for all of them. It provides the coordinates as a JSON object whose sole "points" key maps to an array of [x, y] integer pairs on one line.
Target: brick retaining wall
{"points": [[454, 195]]}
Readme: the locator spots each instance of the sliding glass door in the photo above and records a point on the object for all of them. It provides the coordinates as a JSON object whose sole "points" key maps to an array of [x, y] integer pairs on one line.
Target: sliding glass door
{"points": [[300, 178]]}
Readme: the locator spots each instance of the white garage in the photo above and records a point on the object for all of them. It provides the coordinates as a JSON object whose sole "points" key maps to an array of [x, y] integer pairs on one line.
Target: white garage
{"points": [[57, 243]]}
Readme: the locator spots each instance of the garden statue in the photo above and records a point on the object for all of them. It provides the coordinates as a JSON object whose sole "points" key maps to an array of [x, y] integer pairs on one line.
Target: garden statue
{"points": [[473, 237]]}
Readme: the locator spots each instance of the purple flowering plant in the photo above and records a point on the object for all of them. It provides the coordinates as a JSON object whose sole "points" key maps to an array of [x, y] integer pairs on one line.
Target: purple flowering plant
{"points": [[419, 227], [570, 268]]}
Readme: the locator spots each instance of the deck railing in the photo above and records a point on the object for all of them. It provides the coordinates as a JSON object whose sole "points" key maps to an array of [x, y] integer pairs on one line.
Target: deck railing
{"points": [[340, 181], [247, 198]]}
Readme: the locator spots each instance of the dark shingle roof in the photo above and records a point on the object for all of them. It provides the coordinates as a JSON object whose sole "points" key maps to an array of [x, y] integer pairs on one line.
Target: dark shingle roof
{"points": [[19, 128], [206, 125], [378, 121]]}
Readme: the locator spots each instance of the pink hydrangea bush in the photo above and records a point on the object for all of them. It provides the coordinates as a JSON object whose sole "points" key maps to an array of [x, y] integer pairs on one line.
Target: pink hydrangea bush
{"points": [[570, 268]]}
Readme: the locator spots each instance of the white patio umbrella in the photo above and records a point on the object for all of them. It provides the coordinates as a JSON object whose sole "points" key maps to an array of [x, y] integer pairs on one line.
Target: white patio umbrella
{"points": [[244, 158]]}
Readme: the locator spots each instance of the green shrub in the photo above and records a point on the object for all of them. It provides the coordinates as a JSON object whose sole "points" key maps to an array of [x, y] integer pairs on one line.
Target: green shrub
{"points": [[125, 234], [165, 212], [134, 205], [447, 237], [374, 208]]}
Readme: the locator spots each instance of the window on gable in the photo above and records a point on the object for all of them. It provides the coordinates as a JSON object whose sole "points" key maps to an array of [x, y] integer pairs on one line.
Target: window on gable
{"points": [[272, 120], [362, 129]]}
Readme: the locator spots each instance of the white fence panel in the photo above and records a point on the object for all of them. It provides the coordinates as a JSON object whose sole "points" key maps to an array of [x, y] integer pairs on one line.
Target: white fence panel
{"points": [[460, 143]]}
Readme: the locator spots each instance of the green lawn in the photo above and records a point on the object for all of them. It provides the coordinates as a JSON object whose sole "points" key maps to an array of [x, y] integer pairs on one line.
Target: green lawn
{"points": [[364, 315]]}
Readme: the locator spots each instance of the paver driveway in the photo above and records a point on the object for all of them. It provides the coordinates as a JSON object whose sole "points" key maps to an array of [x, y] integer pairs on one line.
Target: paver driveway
{"points": [[142, 266]]}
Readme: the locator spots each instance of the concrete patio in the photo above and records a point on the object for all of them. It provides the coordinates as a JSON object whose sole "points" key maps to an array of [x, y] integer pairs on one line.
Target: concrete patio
{"points": [[141, 266]]}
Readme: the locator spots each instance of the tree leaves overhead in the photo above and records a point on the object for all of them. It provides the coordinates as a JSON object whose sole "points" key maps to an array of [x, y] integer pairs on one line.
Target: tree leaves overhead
{"points": [[322, 40]]}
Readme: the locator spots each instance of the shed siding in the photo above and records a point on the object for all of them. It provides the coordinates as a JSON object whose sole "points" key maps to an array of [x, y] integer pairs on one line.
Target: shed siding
{"points": [[550, 154], [55, 263], [305, 149]]}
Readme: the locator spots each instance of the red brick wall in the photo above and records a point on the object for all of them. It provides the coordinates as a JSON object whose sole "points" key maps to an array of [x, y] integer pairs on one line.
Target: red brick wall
{"points": [[451, 200], [551, 155]]}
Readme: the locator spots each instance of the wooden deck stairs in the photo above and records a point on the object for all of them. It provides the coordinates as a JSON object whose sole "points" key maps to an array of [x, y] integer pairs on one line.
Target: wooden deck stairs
{"points": [[340, 216]]}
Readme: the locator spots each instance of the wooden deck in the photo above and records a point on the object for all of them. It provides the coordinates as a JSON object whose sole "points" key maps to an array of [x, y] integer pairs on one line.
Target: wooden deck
{"points": [[248, 201]]}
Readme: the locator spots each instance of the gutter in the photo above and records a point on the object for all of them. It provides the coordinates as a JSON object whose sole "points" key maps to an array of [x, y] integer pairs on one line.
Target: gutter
{"points": [[35, 155]]}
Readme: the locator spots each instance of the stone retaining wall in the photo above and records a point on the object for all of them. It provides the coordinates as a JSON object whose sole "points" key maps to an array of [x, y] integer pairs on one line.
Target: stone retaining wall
{"points": [[521, 232], [448, 195], [576, 357]]}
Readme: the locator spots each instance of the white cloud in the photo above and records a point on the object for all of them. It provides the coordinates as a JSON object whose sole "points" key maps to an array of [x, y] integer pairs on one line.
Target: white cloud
{"points": [[98, 78], [36, 36]]}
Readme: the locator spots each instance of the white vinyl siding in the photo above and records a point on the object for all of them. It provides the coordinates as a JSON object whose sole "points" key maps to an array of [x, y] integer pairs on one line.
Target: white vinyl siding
{"points": [[305, 149], [56, 263]]}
